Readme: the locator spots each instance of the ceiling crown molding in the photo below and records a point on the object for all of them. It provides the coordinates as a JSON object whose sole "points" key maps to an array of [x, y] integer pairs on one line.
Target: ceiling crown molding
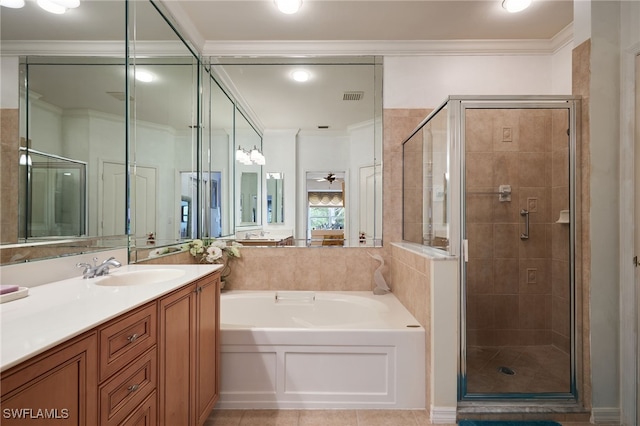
{"points": [[114, 48], [387, 48]]}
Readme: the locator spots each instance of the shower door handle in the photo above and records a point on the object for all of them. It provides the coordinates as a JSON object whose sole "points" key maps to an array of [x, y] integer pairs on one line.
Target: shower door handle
{"points": [[525, 234]]}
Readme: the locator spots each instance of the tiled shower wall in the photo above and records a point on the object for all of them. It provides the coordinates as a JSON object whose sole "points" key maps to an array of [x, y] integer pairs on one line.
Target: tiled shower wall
{"points": [[515, 295], [9, 137]]}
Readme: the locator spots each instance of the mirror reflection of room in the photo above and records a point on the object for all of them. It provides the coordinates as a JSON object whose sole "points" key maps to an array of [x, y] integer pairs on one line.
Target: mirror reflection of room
{"points": [[339, 132], [275, 197], [326, 208]]}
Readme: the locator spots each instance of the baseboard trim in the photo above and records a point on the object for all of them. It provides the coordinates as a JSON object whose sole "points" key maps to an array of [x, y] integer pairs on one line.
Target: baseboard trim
{"points": [[605, 415], [443, 415]]}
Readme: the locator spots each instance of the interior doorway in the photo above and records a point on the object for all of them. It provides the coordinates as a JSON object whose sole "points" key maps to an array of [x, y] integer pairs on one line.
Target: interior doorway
{"points": [[113, 211]]}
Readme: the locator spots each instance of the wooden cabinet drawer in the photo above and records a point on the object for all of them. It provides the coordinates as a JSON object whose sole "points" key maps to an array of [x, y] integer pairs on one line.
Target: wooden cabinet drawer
{"points": [[145, 414], [120, 395], [122, 340]]}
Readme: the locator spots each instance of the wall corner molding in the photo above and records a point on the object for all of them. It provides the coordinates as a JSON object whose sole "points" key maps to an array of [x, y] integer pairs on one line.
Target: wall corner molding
{"points": [[443, 415], [608, 415]]}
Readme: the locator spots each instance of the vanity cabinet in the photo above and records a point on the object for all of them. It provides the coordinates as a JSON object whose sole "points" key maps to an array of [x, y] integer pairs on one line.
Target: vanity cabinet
{"points": [[57, 387], [155, 365], [128, 363], [189, 353]]}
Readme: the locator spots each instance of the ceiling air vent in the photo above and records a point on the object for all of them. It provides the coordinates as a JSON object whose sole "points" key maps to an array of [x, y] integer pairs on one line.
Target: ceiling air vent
{"points": [[352, 96]]}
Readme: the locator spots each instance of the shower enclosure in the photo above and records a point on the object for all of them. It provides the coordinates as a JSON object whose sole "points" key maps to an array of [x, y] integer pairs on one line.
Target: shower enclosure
{"points": [[493, 181]]}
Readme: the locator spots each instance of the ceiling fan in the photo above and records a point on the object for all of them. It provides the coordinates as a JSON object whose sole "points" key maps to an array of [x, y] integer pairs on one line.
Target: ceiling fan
{"points": [[331, 177]]}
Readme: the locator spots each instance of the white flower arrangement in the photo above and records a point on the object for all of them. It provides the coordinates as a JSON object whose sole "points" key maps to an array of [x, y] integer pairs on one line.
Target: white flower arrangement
{"points": [[212, 250], [215, 251]]}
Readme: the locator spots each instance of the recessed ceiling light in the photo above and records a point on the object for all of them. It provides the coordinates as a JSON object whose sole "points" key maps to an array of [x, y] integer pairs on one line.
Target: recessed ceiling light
{"points": [[58, 6], [144, 76], [300, 75], [70, 4], [514, 6], [13, 4], [52, 7], [288, 6]]}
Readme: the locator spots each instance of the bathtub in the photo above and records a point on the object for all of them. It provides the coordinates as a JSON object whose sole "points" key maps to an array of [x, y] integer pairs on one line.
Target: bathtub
{"points": [[293, 350]]}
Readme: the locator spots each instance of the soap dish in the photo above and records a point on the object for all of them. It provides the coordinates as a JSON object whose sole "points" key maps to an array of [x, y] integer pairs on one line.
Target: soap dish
{"points": [[564, 217], [14, 295]]}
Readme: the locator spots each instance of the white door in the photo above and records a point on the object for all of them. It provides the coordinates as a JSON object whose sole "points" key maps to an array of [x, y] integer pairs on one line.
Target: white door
{"points": [[637, 231], [113, 203], [370, 202], [143, 200]]}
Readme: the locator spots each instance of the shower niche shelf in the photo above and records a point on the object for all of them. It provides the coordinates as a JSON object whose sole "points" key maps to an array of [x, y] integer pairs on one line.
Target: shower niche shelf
{"points": [[564, 217]]}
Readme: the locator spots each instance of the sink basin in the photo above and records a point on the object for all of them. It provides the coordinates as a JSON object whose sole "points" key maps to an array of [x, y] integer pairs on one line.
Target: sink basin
{"points": [[149, 276]]}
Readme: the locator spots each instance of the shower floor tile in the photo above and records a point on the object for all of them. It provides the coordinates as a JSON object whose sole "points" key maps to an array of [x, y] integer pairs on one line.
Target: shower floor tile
{"points": [[537, 369]]}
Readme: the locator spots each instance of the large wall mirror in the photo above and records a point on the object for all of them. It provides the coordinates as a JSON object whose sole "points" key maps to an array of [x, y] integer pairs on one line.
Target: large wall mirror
{"points": [[101, 151], [144, 147], [315, 115], [217, 151]]}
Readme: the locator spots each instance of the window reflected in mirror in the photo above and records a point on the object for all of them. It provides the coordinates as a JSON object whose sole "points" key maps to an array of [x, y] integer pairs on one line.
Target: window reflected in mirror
{"points": [[326, 212]]}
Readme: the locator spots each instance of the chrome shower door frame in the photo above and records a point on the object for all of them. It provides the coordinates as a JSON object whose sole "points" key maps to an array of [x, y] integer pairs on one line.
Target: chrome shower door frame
{"points": [[457, 106]]}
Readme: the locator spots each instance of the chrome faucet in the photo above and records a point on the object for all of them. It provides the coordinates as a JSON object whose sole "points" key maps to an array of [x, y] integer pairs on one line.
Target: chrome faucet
{"points": [[91, 271]]}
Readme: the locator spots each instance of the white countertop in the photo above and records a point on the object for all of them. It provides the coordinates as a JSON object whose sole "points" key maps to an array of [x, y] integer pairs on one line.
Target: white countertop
{"points": [[53, 313]]}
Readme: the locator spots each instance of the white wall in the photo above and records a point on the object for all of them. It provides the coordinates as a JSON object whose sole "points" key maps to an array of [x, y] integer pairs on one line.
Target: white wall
{"points": [[561, 70], [426, 81], [9, 74], [279, 149], [95, 137], [604, 129], [221, 161]]}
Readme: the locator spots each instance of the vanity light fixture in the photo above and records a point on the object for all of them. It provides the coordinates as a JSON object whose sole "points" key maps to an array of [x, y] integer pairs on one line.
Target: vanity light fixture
{"points": [[25, 160], [250, 157], [514, 6], [242, 156], [288, 6], [257, 157], [13, 4]]}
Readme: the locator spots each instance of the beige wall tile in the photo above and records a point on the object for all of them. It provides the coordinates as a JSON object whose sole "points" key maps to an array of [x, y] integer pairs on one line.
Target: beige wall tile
{"points": [[10, 138]]}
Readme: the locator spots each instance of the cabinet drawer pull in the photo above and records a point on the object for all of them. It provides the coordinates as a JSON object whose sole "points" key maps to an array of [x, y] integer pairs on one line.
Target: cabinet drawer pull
{"points": [[132, 338], [133, 388]]}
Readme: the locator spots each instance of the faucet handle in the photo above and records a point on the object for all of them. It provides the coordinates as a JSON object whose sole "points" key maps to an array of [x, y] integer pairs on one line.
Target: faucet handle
{"points": [[86, 272]]}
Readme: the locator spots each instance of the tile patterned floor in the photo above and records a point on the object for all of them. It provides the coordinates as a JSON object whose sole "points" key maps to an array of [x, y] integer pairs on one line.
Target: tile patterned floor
{"points": [[318, 418], [537, 369], [326, 418]]}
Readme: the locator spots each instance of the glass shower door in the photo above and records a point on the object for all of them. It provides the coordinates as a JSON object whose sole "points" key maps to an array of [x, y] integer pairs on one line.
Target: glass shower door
{"points": [[518, 288]]}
